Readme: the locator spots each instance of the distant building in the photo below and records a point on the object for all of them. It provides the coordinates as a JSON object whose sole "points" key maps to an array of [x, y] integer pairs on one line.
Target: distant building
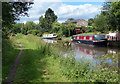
{"points": [[78, 22]]}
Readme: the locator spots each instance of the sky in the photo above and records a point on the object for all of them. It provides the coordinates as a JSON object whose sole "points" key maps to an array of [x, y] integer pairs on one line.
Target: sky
{"points": [[64, 9]]}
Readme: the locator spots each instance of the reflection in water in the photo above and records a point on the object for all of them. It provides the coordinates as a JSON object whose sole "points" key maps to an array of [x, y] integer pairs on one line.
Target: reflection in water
{"points": [[85, 53], [49, 41]]}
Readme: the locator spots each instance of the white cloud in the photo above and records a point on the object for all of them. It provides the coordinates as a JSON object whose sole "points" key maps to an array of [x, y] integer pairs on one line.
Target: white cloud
{"points": [[62, 10], [81, 11], [61, 21], [24, 22]]}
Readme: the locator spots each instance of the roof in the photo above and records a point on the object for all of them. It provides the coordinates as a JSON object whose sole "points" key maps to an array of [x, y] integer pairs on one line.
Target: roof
{"points": [[74, 21]]}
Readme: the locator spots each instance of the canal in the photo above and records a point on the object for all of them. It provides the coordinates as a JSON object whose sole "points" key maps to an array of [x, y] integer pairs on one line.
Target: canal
{"points": [[103, 56]]}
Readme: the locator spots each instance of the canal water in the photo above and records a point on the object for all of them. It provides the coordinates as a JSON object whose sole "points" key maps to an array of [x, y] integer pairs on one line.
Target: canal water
{"points": [[87, 53]]}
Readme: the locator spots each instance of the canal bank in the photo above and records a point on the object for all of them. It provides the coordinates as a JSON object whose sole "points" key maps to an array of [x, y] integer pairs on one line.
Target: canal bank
{"points": [[115, 44], [55, 62], [99, 58]]}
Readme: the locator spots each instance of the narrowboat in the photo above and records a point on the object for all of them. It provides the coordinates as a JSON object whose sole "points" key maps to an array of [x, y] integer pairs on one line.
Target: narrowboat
{"points": [[91, 39], [49, 36]]}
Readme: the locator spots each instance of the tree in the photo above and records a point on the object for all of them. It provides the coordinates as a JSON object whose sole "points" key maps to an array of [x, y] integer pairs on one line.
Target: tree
{"points": [[115, 11], [90, 21], [11, 12], [66, 29], [30, 25], [100, 23], [70, 27], [109, 17], [46, 22], [71, 19], [42, 23], [56, 27], [17, 28]]}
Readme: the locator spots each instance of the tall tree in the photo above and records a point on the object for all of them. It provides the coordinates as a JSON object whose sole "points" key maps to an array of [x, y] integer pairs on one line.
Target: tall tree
{"points": [[47, 21], [100, 23], [111, 14], [115, 11], [11, 12], [42, 23]]}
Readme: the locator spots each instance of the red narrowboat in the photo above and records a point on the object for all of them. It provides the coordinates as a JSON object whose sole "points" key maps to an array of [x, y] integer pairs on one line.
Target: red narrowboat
{"points": [[91, 39]]}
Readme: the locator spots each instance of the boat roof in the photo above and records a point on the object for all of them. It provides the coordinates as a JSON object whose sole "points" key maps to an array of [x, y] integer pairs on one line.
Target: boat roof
{"points": [[88, 35]]}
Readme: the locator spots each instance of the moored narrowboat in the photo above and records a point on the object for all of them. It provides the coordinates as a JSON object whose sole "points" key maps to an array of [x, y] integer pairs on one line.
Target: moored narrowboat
{"points": [[91, 39], [49, 36]]}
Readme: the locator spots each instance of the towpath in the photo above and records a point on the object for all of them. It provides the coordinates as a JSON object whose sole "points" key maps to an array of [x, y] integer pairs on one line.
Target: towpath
{"points": [[12, 73]]}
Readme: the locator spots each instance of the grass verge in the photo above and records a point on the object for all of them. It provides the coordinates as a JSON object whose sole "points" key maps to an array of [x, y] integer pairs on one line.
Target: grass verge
{"points": [[41, 63], [9, 52]]}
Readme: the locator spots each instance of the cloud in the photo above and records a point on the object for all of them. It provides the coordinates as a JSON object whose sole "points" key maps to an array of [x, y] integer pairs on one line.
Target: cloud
{"points": [[62, 10], [82, 11]]}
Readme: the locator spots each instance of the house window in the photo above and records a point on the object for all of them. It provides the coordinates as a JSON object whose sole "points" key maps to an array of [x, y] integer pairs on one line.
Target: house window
{"points": [[83, 22]]}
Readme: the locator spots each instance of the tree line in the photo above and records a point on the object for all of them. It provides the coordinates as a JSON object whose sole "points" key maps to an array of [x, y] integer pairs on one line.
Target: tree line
{"points": [[107, 20]]}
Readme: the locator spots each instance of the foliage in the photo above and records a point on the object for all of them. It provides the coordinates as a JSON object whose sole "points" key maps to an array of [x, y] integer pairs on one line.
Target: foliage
{"points": [[109, 18], [46, 22], [42, 23], [100, 23], [67, 29], [45, 65], [90, 22], [71, 19], [90, 29], [34, 32], [11, 12], [115, 10], [30, 25], [9, 53], [17, 28], [56, 26]]}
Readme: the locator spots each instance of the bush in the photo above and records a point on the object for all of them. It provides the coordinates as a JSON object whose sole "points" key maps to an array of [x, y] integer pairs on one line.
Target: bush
{"points": [[34, 32]]}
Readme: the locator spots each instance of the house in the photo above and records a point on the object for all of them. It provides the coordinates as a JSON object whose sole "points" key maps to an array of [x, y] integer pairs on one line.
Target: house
{"points": [[79, 30], [78, 22]]}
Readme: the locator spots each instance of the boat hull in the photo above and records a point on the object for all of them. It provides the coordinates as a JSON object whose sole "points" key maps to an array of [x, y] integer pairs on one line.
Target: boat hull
{"points": [[93, 42], [49, 37]]}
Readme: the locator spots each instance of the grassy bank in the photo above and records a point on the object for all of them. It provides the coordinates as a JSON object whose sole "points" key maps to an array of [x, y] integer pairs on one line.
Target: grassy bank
{"points": [[37, 62], [40, 63], [9, 53]]}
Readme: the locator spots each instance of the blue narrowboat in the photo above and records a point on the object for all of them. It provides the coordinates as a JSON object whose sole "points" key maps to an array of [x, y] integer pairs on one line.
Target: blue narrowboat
{"points": [[91, 39]]}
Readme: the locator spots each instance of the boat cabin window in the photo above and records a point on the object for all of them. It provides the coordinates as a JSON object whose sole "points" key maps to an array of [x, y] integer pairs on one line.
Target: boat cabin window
{"points": [[91, 38], [99, 37], [54, 34], [84, 38]]}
